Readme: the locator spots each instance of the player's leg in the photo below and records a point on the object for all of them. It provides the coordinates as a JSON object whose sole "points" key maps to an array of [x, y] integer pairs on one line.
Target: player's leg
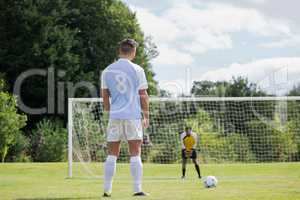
{"points": [[136, 166], [110, 166], [194, 158], [113, 149], [197, 167], [134, 135], [184, 161]]}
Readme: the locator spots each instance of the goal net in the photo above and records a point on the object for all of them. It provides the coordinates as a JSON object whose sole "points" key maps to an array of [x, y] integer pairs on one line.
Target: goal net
{"points": [[231, 129]]}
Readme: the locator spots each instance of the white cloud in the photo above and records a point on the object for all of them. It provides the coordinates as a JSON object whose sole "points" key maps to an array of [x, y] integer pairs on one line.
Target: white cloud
{"points": [[242, 1], [171, 56], [198, 30], [175, 87], [221, 19], [184, 30], [258, 1], [256, 70], [274, 75], [164, 33], [293, 41], [203, 41], [160, 28], [267, 73]]}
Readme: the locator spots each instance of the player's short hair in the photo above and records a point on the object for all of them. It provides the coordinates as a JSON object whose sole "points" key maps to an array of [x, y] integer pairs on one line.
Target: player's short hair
{"points": [[127, 46]]}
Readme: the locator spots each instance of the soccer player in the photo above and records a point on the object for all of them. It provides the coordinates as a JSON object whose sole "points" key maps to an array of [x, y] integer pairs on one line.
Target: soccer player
{"points": [[189, 142], [124, 92]]}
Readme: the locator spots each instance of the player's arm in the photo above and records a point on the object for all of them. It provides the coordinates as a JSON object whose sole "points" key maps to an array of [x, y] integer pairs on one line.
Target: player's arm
{"points": [[144, 98], [181, 141], [182, 145], [105, 93], [105, 96], [196, 140]]}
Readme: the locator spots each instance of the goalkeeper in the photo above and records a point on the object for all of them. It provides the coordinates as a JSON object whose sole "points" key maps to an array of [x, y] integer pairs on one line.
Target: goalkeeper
{"points": [[189, 141]]}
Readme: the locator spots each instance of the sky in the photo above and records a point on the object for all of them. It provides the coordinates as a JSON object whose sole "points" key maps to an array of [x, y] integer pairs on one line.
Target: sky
{"points": [[219, 39]]}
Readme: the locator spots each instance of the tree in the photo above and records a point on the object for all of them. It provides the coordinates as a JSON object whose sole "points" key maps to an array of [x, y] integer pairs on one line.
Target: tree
{"points": [[33, 34], [101, 25], [209, 88], [164, 93], [237, 87], [295, 91], [78, 37], [10, 121]]}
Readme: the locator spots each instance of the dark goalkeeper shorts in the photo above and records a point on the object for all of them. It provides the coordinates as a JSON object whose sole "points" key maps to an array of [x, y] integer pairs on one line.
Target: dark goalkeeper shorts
{"points": [[193, 154]]}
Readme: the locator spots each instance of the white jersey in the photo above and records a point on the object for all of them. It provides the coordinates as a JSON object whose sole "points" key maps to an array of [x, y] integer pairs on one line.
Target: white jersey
{"points": [[124, 79]]}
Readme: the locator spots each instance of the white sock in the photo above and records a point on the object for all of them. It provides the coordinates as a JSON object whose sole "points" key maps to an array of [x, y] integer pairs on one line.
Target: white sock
{"points": [[109, 171], [136, 168]]}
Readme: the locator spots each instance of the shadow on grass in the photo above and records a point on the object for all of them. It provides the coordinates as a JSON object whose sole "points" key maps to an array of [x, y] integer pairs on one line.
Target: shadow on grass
{"points": [[62, 198]]}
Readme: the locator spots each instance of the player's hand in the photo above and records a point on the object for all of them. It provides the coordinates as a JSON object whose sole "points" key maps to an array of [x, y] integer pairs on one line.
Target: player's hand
{"points": [[187, 153], [145, 123]]}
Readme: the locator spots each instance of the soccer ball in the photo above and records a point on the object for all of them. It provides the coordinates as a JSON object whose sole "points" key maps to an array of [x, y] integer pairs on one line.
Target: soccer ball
{"points": [[210, 182]]}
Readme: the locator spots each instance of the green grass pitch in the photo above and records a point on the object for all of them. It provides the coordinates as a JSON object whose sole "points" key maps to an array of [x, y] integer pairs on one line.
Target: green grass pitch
{"points": [[33, 181]]}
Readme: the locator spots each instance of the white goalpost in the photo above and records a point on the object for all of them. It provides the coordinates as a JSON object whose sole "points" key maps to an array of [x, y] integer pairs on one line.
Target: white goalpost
{"points": [[230, 130]]}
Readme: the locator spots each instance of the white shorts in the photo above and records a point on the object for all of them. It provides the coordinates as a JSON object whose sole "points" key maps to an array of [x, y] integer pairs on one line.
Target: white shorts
{"points": [[120, 129]]}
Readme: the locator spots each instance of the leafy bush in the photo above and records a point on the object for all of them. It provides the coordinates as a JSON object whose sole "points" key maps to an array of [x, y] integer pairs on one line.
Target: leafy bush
{"points": [[19, 152], [165, 154], [213, 146], [271, 141], [201, 122], [49, 141], [216, 148], [294, 129], [10, 123], [241, 147], [166, 144]]}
